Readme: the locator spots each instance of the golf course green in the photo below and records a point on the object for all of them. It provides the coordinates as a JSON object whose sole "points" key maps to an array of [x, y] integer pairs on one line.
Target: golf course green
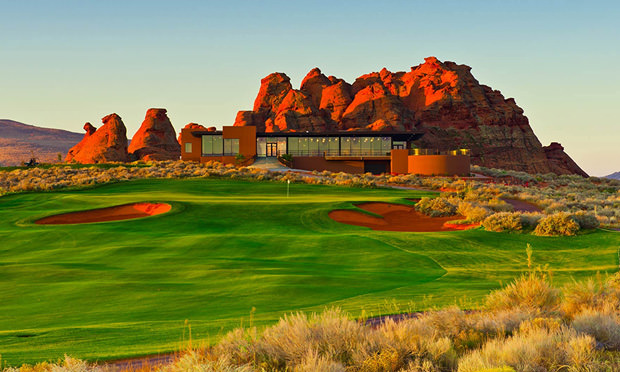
{"points": [[235, 253]]}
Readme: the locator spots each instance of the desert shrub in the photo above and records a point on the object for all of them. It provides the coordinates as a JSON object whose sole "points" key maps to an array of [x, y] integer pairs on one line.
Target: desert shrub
{"points": [[472, 212], [604, 327], [313, 361], [198, 362], [585, 220], [559, 224], [537, 350], [410, 341], [530, 220], [331, 333], [505, 221], [530, 292], [594, 293], [436, 207]]}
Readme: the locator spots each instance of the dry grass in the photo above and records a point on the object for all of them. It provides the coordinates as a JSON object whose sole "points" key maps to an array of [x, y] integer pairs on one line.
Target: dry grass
{"points": [[531, 292]]}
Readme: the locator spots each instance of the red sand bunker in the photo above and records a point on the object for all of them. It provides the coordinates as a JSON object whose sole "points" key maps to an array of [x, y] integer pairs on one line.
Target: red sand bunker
{"points": [[120, 212], [396, 217]]}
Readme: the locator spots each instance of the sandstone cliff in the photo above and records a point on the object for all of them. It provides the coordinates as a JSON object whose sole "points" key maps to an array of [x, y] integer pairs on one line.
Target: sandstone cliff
{"points": [[442, 99], [106, 144], [156, 138]]}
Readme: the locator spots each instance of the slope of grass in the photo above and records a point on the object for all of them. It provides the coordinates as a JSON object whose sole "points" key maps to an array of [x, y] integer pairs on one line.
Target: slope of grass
{"points": [[232, 252]]}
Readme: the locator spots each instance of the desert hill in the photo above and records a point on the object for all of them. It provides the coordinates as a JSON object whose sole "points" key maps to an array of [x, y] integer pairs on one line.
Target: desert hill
{"points": [[19, 142], [614, 176], [443, 99]]}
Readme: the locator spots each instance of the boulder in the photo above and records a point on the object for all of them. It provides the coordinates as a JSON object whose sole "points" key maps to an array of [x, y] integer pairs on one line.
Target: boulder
{"points": [[103, 145], [156, 138]]}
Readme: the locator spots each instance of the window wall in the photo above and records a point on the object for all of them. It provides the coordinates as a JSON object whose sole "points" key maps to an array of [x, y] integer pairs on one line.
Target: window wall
{"points": [[212, 145], [313, 146], [261, 145], [328, 146], [231, 146]]}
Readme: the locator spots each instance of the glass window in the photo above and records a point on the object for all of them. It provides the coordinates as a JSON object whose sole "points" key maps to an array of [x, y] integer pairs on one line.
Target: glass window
{"points": [[399, 144], [281, 145], [207, 145], [231, 146], [355, 146], [334, 145], [323, 145], [218, 145], [345, 146], [261, 146], [386, 145], [376, 146], [303, 146], [313, 146], [293, 146], [188, 147], [367, 144]]}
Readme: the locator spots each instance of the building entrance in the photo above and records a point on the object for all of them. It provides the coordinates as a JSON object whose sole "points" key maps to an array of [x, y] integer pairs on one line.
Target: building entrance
{"points": [[272, 149]]}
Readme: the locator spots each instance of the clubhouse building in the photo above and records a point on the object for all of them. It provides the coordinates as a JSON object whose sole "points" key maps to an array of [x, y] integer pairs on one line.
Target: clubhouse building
{"points": [[345, 151]]}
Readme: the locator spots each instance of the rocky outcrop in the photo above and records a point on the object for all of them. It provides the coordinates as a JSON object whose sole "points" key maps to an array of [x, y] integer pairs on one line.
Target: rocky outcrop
{"points": [[106, 144], [192, 126], [560, 162], [441, 99], [156, 138]]}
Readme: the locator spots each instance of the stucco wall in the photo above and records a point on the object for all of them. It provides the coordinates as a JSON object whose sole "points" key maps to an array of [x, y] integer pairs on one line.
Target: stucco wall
{"points": [[399, 161], [447, 165], [320, 164]]}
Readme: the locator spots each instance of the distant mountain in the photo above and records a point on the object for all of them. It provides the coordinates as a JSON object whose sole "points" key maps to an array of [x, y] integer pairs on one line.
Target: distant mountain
{"points": [[19, 142], [614, 176]]}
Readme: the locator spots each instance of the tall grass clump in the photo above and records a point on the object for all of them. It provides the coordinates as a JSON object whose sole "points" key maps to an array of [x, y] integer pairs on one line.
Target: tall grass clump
{"points": [[530, 292], [598, 293], [535, 350]]}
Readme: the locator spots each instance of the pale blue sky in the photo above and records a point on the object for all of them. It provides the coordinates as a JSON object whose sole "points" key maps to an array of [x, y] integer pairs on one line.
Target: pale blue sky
{"points": [[66, 62]]}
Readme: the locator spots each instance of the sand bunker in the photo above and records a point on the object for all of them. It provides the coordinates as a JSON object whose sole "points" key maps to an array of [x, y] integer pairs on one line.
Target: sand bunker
{"points": [[120, 212], [396, 217]]}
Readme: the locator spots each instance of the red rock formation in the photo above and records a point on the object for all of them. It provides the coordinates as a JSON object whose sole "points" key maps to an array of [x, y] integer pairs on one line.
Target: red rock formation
{"points": [[560, 162], [313, 85], [156, 138], [443, 99], [90, 129], [194, 126], [106, 144]]}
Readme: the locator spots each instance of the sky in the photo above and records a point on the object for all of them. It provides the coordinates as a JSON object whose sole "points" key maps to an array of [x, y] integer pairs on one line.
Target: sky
{"points": [[66, 62]]}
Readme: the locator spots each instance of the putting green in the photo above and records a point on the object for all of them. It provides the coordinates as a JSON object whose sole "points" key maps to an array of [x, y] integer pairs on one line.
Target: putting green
{"points": [[232, 253]]}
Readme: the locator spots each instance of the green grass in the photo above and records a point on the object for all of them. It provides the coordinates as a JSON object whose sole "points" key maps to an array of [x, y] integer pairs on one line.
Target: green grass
{"points": [[126, 288]]}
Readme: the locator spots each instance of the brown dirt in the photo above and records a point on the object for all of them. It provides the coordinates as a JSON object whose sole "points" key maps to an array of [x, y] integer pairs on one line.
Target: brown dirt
{"points": [[396, 217], [522, 206], [117, 213]]}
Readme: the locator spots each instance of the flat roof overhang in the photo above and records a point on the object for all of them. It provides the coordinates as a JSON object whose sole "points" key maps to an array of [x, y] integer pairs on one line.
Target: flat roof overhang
{"points": [[396, 136]]}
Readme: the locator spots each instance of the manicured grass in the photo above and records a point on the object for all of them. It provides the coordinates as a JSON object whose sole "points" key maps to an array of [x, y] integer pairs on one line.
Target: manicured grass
{"points": [[232, 253]]}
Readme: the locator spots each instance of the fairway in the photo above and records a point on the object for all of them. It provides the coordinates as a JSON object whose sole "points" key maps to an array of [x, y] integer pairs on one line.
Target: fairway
{"points": [[233, 253]]}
